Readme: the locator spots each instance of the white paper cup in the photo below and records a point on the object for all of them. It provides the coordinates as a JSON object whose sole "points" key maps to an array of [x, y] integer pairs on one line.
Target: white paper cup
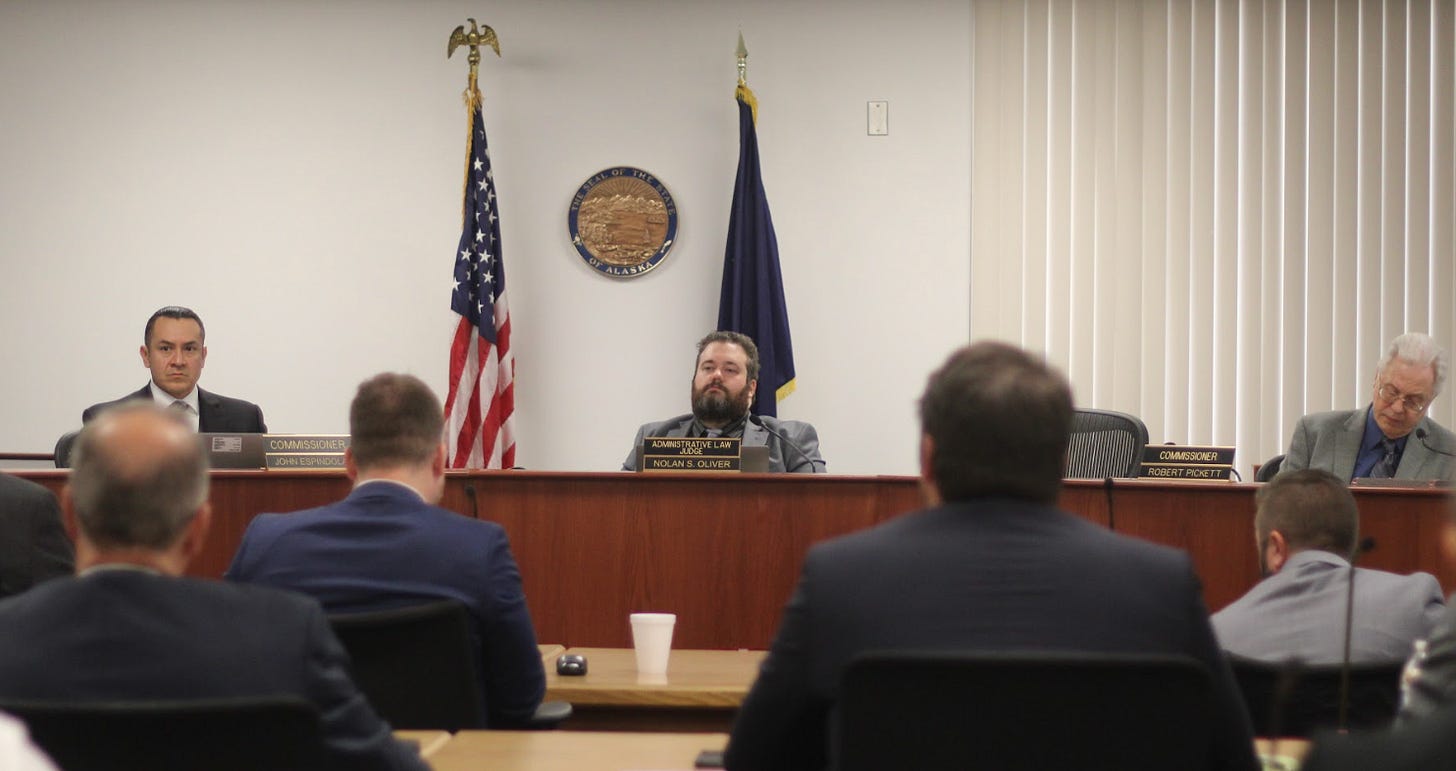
{"points": [[652, 641]]}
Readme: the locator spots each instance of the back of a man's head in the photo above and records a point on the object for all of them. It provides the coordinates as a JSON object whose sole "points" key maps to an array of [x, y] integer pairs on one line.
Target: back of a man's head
{"points": [[1313, 509], [138, 476], [999, 419], [395, 420]]}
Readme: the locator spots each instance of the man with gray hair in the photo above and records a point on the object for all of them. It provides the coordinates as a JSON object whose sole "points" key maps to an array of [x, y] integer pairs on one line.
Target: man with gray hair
{"points": [[1391, 437], [130, 627]]}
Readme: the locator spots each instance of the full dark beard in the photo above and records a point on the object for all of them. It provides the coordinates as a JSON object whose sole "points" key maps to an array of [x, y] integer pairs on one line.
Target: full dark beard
{"points": [[713, 408]]}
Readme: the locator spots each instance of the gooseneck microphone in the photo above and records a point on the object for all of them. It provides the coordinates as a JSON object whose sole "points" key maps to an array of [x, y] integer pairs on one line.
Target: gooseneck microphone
{"points": [[474, 504], [757, 421], [1111, 514], [1421, 434], [1366, 544]]}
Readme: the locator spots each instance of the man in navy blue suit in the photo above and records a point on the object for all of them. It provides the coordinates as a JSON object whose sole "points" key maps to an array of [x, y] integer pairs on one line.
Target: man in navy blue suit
{"points": [[388, 545], [130, 627], [991, 565]]}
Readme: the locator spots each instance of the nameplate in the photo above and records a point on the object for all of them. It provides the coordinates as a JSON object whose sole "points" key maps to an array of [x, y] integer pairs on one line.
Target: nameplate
{"points": [[686, 453], [1181, 461], [305, 451]]}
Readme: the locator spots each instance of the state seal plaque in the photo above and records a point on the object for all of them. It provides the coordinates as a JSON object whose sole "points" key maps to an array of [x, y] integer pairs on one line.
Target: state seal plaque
{"points": [[622, 221]]}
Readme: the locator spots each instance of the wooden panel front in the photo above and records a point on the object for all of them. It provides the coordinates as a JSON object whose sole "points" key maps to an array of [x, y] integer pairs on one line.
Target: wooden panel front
{"points": [[723, 552]]}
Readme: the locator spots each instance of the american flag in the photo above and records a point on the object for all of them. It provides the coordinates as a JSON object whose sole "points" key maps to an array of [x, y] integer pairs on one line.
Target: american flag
{"points": [[482, 372]]}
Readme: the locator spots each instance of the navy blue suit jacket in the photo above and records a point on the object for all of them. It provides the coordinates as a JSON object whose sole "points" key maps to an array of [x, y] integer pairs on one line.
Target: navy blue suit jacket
{"points": [[215, 413], [131, 635], [383, 547], [991, 575]]}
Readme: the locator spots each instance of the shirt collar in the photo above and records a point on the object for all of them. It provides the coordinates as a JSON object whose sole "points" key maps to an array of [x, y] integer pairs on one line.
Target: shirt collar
{"points": [[118, 567], [165, 400], [365, 482], [732, 429]]}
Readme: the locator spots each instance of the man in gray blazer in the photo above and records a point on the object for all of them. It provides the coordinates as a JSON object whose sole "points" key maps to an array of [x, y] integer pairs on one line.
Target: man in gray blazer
{"points": [[1391, 437], [1306, 528], [725, 380]]}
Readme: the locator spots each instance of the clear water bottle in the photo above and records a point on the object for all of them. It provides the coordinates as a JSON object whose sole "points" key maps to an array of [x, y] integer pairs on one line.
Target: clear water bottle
{"points": [[1415, 666]]}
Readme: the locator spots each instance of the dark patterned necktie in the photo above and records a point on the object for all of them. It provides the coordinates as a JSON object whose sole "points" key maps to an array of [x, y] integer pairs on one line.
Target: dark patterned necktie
{"points": [[1385, 467]]}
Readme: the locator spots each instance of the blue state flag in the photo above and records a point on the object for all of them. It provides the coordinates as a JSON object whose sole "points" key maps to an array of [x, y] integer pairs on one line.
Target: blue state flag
{"points": [[752, 299]]}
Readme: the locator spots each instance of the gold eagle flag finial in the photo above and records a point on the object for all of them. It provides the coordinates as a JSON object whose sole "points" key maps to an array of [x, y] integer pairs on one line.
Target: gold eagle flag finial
{"points": [[478, 36]]}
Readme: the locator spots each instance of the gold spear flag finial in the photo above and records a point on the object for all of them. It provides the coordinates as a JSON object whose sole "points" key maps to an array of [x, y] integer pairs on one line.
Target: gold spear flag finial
{"points": [[742, 60], [477, 37]]}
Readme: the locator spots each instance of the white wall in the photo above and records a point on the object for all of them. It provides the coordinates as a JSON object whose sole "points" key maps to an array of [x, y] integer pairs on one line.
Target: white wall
{"points": [[292, 171]]}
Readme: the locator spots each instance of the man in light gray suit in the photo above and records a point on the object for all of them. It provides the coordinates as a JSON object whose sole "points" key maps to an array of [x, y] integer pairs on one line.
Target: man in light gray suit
{"points": [[1392, 437], [725, 380], [1305, 528]]}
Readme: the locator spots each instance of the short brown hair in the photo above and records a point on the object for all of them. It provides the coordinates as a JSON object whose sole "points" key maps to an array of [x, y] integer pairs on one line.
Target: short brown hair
{"points": [[737, 338], [1312, 508], [1000, 419], [394, 419]]}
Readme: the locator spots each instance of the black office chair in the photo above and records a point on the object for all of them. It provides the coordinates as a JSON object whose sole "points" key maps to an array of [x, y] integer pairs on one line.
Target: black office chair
{"points": [[63, 448], [1105, 444], [1267, 471], [279, 733], [1289, 699], [419, 667], [929, 711]]}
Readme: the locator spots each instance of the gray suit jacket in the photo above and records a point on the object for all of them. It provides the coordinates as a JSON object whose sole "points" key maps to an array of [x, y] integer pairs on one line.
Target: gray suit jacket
{"points": [[216, 413], [1434, 687], [804, 460], [1331, 441], [1300, 612], [33, 544]]}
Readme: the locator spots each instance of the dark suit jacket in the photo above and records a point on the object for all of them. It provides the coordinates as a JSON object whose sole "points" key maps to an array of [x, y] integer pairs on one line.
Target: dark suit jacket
{"points": [[215, 413], [33, 545], [1331, 441], [993, 575], [383, 547], [119, 634], [804, 460]]}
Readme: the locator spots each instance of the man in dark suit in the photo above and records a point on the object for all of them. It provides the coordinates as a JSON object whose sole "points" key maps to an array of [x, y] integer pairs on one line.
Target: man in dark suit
{"points": [[129, 627], [1306, 527], [174, 350], [1391, 437], [33, 545], [725, 379], [388, 545], [991, 565]]}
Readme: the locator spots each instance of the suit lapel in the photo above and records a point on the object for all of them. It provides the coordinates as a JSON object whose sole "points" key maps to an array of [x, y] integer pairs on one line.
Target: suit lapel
{"points": [[1413, 461], [1347, 444], [206, 402]]}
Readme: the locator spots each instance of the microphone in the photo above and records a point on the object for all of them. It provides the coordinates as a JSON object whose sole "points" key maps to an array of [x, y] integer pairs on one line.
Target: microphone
{"points": [[1366, 544], [1421, 434], [757, 421], [1111, 515], [474, 504]]}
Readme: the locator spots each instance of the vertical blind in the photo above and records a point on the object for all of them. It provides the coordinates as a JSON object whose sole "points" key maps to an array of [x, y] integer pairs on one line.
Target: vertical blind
{"points": [[1215, 214]]}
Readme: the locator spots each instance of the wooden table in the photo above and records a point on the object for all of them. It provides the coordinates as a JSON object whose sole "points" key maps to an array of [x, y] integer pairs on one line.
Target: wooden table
{"points": [[723, 551], [572, 750], [429, 742], [700, 692]]}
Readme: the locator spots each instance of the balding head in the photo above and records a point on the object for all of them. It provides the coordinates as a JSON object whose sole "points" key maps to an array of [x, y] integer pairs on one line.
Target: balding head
{"points": [[138, 477]]}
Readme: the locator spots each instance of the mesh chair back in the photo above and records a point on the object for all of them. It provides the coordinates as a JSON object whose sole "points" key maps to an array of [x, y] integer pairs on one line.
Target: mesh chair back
{"points": [[1032, 711], [416, 664], [1105, 444], [279, 733], [1287, 699], [63, 448]]}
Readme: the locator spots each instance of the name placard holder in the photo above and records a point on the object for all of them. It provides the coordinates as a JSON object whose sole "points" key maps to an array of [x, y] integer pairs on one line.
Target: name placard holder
{"points": [[1190, 462], [693, 454], [305, 451]]}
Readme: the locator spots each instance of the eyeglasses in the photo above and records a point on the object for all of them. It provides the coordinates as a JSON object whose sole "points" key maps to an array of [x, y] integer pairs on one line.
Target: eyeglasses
{"points": [[1391, 394]]}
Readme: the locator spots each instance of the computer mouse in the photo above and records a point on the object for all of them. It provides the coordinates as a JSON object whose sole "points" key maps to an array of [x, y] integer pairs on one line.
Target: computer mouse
{"points": [[571, 664]]}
